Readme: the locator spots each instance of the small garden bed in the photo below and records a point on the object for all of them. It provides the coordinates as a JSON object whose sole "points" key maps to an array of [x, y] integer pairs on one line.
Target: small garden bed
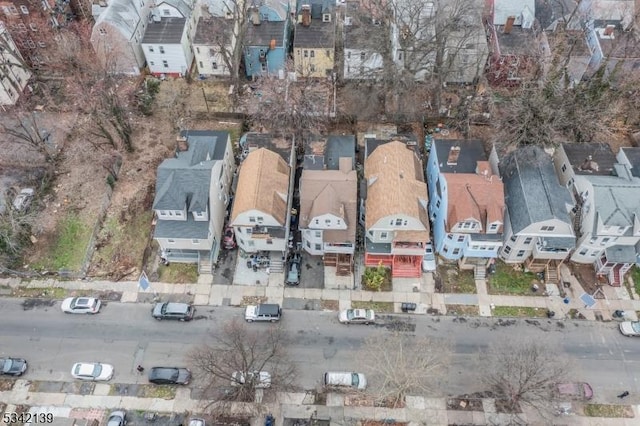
{"points": [[6, 384], [463, 310], [606, 410], [40, 292], [378, 307], [635, 276], [513, 281], [157, 391], [464, 403], [519, 311], [454, 280], [330, 305], [377, 279]]}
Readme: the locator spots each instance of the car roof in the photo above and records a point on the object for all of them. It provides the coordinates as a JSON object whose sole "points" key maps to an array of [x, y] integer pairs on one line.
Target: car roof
{"points": [[163, 372], [86, 369], [84, 301], [176, 307], [269, 308]]}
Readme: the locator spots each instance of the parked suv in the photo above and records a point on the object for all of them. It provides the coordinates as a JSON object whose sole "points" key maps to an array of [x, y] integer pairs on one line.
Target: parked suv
{"points": [[263, 312], [293, 270], [174, 311]]}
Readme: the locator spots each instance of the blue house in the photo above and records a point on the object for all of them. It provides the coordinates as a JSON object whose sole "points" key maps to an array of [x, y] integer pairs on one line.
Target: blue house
{"points": [[267, 39], [466, 202]]}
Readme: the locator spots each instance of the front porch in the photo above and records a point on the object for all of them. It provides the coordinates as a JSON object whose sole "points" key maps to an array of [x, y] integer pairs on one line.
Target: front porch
{"points": [[402, 266], [614, 263], [343, 262]]}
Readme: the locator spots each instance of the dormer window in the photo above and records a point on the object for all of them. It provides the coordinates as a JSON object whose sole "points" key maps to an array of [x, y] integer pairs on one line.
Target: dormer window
{"points": [[326, 17]]}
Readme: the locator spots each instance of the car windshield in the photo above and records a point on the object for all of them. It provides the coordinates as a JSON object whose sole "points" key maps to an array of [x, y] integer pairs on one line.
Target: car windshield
{"points": [[355, 379], [80, 302], [350, 314], [6, 364], [97, 369], [635, 325]]}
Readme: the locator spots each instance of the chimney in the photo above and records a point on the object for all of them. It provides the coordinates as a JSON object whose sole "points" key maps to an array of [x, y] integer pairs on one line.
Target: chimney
{"points": [[345, 164], [255, 16], [306, 15], [183, 144], [509, 25], [454, 153], [608, 31]]}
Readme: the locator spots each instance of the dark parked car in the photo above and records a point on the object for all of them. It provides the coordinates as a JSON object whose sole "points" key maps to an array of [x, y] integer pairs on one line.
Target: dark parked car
{"points": [[229, 239], [13, 366], [293, 270], [174, 311], [169, 376]]}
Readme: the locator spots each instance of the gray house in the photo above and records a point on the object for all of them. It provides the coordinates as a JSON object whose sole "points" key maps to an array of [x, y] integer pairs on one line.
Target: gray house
{"points": [[192, 195], [538, 229]]}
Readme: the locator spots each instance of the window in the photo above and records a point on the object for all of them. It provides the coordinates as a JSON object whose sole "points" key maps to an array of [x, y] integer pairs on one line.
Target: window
{"points": [[527, 240], [398, 222], [252, 219], [507, 250], [308, 244], [348, 55], [166, 12], [328, 53], [165, 64], [200, 63], [312, 53], [306, 53], [493, 226], [195, 241], [438, 204], [24, 10], [151, 49], [583, 252], [520, 253], [513, 238], [312, 68], [317, 222], [171, 241], [383, 235], [456, 251], [362, 56], [269, 241], [263, 67], [161, 49], [318, 234], [248, 231], [152, 63], [564, 168], [198, 50], [260, 219], [13, 10], [318, 247], [547, 228], [214, 65], [327, 221], [460, 238]]}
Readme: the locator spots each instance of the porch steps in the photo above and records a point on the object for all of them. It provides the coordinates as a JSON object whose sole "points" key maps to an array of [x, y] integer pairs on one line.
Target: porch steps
{"points": [[480, 272], [276, 264], [204, 266], [617, 282], [551, 274]]}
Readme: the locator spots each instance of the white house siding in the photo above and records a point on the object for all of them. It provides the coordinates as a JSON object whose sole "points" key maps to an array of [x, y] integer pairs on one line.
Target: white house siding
{"points": [[312, 241], [247, 242], [205, 58], [313, 237], [525, 241], [174, 54], [186, 243], [384, 226], [14, 78], [357, 68]]}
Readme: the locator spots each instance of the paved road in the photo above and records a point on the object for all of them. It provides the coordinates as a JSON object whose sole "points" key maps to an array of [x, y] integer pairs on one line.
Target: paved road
{"points": [[125, 335]]}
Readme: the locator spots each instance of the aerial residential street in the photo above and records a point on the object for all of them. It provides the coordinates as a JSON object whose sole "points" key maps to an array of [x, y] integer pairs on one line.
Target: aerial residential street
{"points": [[125, 335]]}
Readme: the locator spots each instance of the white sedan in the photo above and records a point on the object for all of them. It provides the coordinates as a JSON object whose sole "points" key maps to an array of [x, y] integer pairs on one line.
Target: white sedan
{"points": [[261, 379], [429, 259], [357, 316], [94, 371], [81, 305], [630, 328]]}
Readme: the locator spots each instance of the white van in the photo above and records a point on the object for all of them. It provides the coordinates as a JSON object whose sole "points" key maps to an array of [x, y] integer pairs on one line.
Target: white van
{"points": [[353, 380]]}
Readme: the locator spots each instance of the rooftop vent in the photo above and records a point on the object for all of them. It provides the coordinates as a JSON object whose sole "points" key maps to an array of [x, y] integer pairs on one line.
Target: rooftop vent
{"points": [[454, 153]]}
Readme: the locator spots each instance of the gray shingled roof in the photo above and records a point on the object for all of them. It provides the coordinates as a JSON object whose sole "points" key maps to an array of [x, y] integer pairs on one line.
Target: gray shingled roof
{"points": [[633, 155], [168, 30], [182, 229], [532, 191], [616, 201], [261, 35], [339, 146], [471, 151], [590, 158], [184, 180], [211, 30], [318, 34]]}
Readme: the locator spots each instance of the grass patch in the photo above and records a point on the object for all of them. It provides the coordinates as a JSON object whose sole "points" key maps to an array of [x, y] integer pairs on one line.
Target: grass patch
{"points": [[635, 276], [157, 391], [116, 238], [6, 384], [457, 281], [178, 273], [508, 280], [69, 248], [463, 310], [40, 292], [379, 307], [606, 410], [377, 279], [519, 311]]}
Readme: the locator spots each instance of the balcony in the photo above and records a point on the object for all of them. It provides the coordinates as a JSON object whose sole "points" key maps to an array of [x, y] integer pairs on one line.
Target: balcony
{"points": [[407, 248], [347, 248], [267, 232]]}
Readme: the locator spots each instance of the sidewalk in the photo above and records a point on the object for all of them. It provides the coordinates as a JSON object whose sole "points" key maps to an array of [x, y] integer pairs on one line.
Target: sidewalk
{"points": [[418, 410]]}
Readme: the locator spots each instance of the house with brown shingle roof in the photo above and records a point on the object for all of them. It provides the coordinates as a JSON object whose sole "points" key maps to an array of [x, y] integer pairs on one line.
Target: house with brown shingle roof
{"points": [[329, 205], [466, 202], [259, 215], [396, 218]]}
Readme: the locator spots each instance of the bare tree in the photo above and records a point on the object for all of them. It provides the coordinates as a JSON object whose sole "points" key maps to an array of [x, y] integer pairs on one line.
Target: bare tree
{"points": [[25, 129], [15, 230], [237, 348], [400, 364], [523, 373], [303, 105]]}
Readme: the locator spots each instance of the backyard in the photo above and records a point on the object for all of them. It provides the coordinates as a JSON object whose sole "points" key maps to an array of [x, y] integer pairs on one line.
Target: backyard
{"points": [[454, 280]]}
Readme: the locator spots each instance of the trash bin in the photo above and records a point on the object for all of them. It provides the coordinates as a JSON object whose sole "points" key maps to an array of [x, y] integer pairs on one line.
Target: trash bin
{"points": [[408, 307], [550, 314]]}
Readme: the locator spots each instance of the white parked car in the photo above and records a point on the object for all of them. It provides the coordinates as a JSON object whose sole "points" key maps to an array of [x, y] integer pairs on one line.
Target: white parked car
{"points": [[94, 371], [357, 316], [429, 259], [345, 379], [630, 328], [81, 305], [262, 379]]}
